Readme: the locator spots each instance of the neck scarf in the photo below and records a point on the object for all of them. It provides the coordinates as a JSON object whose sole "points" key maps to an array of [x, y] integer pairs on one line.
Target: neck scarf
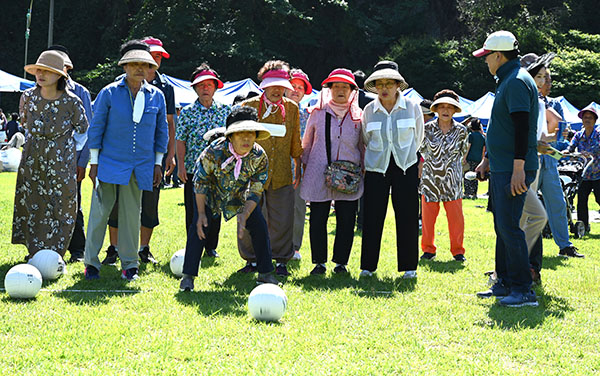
{"points": [[338, 109], [238, 161], [272, 107]]}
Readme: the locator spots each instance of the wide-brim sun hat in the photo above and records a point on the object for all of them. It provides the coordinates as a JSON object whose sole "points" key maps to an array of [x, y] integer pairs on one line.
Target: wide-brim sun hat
{"points": [[248, 125], [589, 109], [304, 78], [62, 50], [276, 77], [156, 45], [137, 56], [532, 61], [498, 41], [447, 100], [340, 75], [207, 75], [48, 60], [385, 70]]}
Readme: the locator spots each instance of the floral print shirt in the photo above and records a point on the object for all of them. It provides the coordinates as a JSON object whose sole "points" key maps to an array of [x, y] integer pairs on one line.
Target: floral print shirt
{"points": [[193, 122], [591, 145], [224, 193]]}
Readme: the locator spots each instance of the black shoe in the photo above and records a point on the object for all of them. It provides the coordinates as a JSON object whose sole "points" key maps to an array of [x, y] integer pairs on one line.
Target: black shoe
{"points": [[91, 273], [266, 278], [248, 268], [427, 256], [340, 269], [570, 251], [130, 274], [76, 256], [111, 256], [281, 270], [318, 269], [211, 253], [498, 290], [146, 256], [460, 258], [186, 284]]}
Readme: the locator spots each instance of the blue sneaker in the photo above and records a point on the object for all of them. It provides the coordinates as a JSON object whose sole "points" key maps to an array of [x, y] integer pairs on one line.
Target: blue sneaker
{"points": [[130, 274], [91, 273], [498, 290], [519, 299]]}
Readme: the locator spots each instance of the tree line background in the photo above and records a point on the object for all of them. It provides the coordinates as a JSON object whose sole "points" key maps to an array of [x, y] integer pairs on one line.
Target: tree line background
{"points": [[431, 40]]}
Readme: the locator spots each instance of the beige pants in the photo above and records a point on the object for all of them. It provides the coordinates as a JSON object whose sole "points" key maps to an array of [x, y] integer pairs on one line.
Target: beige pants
{"points": [[534, 217], [277, 206]]}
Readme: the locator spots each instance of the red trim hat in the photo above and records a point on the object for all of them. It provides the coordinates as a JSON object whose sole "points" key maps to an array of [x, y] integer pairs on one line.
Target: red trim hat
{"points": [[498, 41], [276, 77], [297, 74], [207, 75], [342, 75], [156, 45]]}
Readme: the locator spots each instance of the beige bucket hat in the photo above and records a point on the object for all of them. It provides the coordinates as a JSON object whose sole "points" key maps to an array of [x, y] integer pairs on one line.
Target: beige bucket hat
{"points": [[48, 60]]}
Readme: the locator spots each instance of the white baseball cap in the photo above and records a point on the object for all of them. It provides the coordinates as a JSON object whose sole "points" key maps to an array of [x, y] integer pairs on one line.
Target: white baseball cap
{"points": [[498, 41]]}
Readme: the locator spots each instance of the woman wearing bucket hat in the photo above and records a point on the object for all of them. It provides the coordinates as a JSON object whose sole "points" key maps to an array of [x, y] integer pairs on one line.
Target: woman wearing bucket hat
{"points": [[46, 192], [278, 197], [393, 131], [333, 133], [301, 84], [194, 121], [587, 142], [444, 148], [229, 178], [127, 138]]}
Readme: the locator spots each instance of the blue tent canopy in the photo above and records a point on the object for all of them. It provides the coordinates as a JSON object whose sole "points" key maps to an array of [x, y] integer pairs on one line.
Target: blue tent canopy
{"points": [[185, 94], [12, 83]]}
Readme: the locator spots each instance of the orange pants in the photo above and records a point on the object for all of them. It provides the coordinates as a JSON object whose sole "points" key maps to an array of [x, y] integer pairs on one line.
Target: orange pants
{"points": [[456, 225]]}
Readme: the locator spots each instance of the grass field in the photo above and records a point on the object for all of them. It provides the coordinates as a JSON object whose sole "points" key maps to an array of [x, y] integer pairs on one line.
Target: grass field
{"points": [[334, 325]]}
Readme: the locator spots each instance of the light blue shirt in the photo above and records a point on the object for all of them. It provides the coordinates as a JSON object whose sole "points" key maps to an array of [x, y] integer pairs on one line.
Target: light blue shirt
{"points": [[83, 152], [125, 146]]}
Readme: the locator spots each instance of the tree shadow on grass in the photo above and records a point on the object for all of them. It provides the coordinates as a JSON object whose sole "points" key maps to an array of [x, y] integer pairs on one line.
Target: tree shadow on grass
{"points": [[448, 266], [529, 317]]}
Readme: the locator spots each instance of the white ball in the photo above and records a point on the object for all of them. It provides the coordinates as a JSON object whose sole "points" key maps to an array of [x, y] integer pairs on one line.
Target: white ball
{"points": [[267, 302], [176, 263], [23, 281], [10, 159], [49, 263]]}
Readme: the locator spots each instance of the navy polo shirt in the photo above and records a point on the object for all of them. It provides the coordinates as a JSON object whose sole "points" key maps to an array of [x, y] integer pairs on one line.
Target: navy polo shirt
{"points": [[516, 92]]}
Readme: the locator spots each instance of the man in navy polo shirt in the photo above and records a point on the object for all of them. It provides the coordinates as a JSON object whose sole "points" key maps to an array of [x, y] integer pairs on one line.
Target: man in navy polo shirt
{"points": [[512, 160]]}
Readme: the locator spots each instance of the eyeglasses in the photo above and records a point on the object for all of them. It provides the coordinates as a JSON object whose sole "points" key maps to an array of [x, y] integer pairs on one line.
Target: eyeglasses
{"points": [[387, 85]]}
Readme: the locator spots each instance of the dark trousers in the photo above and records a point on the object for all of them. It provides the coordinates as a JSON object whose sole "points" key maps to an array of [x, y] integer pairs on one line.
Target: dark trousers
{"points": [[536, 255], [512, 259], [585, 188], [149, 212], [345, 213], [405, 200], [77, 243], [255, 224], [360, 214], [189, 200]]}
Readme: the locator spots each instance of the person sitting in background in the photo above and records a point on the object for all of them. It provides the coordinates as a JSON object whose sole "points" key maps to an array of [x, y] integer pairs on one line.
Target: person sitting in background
{"points": [[229, 178], [12, 126], [443, 149]]}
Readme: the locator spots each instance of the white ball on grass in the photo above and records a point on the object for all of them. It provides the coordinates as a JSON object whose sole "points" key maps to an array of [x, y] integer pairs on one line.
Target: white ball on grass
{"points": [[23, 281], [267, 302], [176, 263], [49, 263]]}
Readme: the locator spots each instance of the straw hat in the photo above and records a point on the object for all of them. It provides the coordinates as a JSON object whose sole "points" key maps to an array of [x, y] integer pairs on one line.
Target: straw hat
{"points": [[48, 60], [137, 53], [340, 75], [447, 100], [243, 119], [62, 50], [385, 70]]}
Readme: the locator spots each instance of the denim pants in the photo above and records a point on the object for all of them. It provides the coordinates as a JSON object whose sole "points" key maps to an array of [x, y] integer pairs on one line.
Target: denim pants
{"points": [[554, 201], [256, 226], [512, 259]]}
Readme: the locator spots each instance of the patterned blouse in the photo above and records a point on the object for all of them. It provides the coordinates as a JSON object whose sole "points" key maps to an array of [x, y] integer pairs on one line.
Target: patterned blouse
{"points": [[590, 144], [442, 176], [304, 114], [193, 122], [224, 193]]}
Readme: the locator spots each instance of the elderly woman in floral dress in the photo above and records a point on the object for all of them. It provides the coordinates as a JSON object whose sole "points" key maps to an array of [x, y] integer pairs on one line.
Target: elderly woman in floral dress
{"points": [[46, 193]]}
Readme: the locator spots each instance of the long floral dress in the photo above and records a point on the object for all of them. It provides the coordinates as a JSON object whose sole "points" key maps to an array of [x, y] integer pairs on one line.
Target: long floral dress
{"points": [[46, 191]]}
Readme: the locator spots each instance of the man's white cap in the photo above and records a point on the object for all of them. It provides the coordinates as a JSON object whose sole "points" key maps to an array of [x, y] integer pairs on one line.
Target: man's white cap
{"points": [[498, 41]]}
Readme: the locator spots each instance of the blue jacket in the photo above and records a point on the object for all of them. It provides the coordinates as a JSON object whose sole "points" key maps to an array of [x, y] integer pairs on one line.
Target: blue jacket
{"points": [[125, 146]]}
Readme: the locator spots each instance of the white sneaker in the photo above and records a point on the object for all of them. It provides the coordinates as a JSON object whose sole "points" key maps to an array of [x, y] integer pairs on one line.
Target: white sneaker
{"points": [[366, 273], [410, 274], [297, 256]]}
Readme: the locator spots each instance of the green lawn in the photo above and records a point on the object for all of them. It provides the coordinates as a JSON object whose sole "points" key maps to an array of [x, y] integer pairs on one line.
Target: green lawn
{"points": [[334, 325]]}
